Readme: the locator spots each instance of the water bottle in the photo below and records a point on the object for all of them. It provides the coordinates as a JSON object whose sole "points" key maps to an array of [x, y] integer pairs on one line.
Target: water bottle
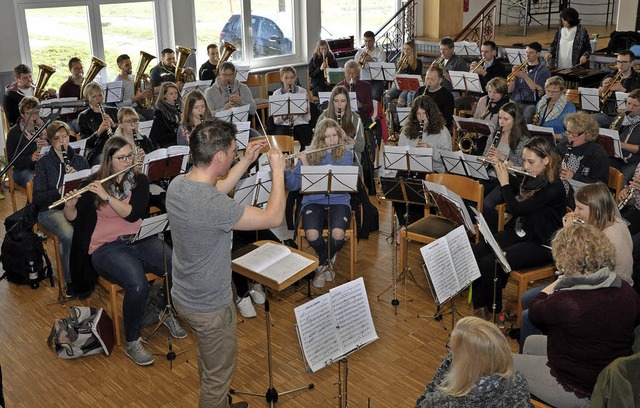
{"points": [[33, 276], [501, 323]]}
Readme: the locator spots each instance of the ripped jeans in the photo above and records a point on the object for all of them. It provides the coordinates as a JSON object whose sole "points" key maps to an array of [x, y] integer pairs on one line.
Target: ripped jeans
{"points": [[314, 218]]}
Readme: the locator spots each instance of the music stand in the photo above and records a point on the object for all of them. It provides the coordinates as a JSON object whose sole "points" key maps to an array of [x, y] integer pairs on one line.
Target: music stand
{"points": [[466, 49], [113, 92], [516, 56], [162, 164], [621, 101], [378, 71], [242, 72], [465, 81], [287, 105], [242, 134], [353, 101], [589, 99], [190, 86], [407, 82], [235, 114], [271, 394], [335, 75], [543, 131], [326, 180], [46, 110], [609, 139]]}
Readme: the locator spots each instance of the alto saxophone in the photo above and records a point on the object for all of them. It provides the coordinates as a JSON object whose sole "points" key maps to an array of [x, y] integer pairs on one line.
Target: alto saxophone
{"points": [[616, 121], [536, 117]]}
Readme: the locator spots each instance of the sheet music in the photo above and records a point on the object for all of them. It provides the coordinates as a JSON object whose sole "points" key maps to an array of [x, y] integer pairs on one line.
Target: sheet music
{"points": [[242, 134], [242, 72], [450, 263], [145, 127], [465, 81], [420, 158], [453, 162], [466, 48], [455, 198], [273, 261], [335, 75], [315, 179], [475, 169], [45, 109], [79, 146], [473, 125], [543, 131], [516, 56], [615, 136], [378, 71], [279, 104], [353, 101], [407, 82], [589, 99], [235, 114], [190, 86], [621, 101], [483, 227], [245, 191], [151, 226], [113, 91], [403, 114], [263, 190], [335, 324]]}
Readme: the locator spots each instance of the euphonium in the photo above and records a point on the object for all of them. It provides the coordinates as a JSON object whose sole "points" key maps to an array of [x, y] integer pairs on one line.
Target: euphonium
{"points": [[96, 66], [439, 62], [142, 81], [403, 61], [616, 121], [43, 77], [607, 91], [227, 50], [183, 55], [513, 74], [478, 65]]}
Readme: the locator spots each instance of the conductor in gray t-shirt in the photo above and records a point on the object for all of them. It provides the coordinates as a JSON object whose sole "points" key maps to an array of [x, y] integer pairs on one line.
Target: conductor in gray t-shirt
{"points": [[202, 216]]}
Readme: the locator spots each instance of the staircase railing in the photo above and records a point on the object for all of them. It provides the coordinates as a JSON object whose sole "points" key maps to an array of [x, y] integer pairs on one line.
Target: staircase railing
{"points": [[482, 26], [397, 30]]}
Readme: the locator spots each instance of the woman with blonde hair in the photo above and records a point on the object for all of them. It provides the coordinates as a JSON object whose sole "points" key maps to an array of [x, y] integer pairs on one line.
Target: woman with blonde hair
{"points": [[314, 206], [553, 107], [477, 372], [128, 128], [588, 318]]}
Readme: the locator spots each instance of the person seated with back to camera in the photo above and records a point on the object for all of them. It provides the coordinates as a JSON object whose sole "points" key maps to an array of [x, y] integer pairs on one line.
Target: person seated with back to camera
{"points": [[166, 119], [477, 371], [105, 219], [588, 318], [314, 206], [20, 134], [302, 131], [47, 185], [196, 110], [96, 123], [537, 203]]}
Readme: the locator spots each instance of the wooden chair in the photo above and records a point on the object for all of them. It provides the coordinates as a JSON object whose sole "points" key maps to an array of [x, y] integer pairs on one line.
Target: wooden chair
{"points": [[13, 187], [349, 233], [616, 180], [114, 311], [432, 227], [262, 102], [56, 247], [573, 96], [538, 404], [284, 143], [270, 78]]}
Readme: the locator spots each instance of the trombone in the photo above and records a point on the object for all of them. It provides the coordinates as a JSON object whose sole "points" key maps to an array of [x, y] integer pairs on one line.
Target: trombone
{"points": [[513, 74], [510, 169], [86, 188]]}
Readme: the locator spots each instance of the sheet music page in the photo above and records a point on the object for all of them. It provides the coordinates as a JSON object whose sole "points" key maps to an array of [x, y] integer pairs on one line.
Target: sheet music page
{"points": [[463, 260], [284, 268], [263, 179], [242, 72], [145, 126], [315, 179], [474, 167], [463, 209], [318, 334], [491, 241], [621, 101], [613, 134], [323, 97], [441, 269], [352, 315], [262, 257], [403, 114], [45, 110], [589, 99], [242, 135], [421, 159]]}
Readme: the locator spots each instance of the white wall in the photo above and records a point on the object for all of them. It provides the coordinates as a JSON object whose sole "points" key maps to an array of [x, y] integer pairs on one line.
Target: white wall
{"points": [[9, 48], [626, 15]]}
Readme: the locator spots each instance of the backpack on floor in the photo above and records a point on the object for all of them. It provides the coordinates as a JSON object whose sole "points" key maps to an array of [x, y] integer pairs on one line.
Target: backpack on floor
{"points": [[87, 331], [22, 249]]}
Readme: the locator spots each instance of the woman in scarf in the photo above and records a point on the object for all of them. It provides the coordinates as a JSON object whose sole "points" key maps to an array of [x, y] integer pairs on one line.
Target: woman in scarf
{"points": [[571, 46], [166, 119], [553, 107]]}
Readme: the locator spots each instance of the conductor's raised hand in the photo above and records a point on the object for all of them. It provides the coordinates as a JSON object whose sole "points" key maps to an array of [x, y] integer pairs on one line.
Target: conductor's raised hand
{"points": [[254, 147], [501, 173], [276, 161]]}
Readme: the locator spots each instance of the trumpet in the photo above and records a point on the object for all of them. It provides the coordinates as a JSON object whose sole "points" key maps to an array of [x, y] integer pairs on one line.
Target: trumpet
{"points": [[510, 169], [630, 194], [326, 65], [607, 91], [513, 74], [102, 112], [478, 65], [363, 58], [321, 149], [86, 188], [403, 61]]}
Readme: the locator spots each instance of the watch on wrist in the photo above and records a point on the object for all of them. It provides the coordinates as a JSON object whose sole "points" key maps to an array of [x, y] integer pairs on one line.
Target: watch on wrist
{"points": [[108, 198], [506, 161]]}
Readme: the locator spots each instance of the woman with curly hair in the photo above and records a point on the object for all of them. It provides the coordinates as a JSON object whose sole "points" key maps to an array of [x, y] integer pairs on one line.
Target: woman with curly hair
{"points": [[477, 372], [588, 318], [314, 206]]}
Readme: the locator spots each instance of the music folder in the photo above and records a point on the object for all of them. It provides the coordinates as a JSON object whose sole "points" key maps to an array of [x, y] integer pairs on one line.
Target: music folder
{"points": [[450, 204], [472, 125], [610, 140], [73, 180], [335, 75], [543, 131], [406, 82], [166, 162], [353, 101]]}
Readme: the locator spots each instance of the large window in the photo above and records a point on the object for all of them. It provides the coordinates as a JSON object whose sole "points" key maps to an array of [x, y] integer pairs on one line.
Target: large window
{"points": [[340, 18]]}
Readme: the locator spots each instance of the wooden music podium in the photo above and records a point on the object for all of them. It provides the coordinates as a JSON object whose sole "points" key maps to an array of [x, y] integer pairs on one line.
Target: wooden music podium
{"points": [[271, 394]]}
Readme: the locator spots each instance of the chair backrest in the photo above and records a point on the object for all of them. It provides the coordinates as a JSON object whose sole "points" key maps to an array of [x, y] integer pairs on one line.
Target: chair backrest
{"points": [[256, 80], [30, 191], [616, 178], [281, 142], [467, 188], [573, 96], [5, 124], [272, 77]]}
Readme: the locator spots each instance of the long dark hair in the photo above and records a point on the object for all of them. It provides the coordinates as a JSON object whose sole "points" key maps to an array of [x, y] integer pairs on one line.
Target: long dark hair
{"points": [[436, 120], [189, 102], [519, 129], [541, 147], [346, 119], [112, 145]]}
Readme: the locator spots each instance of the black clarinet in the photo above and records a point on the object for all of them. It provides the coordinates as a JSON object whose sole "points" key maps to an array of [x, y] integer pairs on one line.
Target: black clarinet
{"points": [[65, 158], [352, 85], [339, 117], [496, 138], [566, 154]]}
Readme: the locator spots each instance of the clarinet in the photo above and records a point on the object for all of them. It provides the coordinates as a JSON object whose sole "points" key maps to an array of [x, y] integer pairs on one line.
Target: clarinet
{"points": [[496, 138], [566, 154], [230, 93], [630, 195], [352, 85], [339, 117], [136, 140], [109, 132], [201, 118], [65, 159]]}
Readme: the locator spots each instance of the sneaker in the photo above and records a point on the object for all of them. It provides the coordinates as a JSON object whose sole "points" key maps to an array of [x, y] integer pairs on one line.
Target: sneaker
{"points": [[177, 332], [320, 278], [329, 275], [246, 307], [136, 351], [257, 294]]}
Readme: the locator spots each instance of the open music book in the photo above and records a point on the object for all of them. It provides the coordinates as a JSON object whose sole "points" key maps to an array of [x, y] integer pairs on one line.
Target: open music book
{"points": [[450, 264], [165, 162], [461, 215], [473, 125], [273, 261], [73, 180], [335, 325]]}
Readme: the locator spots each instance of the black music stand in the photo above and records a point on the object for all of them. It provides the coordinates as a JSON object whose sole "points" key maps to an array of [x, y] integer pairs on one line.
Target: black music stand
{"points": [[288, 105]]}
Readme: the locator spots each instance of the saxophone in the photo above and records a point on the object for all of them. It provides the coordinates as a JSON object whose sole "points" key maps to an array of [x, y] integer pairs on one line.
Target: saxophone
{"points": [[536, 117], [467, 143], [617, 120]]}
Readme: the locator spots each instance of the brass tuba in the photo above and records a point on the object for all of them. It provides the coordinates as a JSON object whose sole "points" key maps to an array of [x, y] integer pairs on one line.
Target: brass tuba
{"points": [[142, 80], [183, 55], [96, 66], [227, 50], [43, 77]]}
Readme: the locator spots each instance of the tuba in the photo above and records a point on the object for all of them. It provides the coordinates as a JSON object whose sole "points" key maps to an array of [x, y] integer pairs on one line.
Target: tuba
{"points": [[142, 81], [183, 55], [43, 77], [96, 66], [227, 50]]}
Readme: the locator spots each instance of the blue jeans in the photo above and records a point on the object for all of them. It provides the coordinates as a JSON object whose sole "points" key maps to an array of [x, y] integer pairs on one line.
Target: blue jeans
{"points": [[526, 327], [313, 219], [54, 222], [126, 264], [22, 177]]}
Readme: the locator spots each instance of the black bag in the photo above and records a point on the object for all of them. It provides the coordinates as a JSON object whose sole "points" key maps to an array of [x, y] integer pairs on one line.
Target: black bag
{"points": [[22, 247]]}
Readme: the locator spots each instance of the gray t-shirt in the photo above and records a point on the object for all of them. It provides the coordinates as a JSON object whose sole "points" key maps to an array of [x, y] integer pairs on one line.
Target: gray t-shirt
{"points": [[201, 219]]}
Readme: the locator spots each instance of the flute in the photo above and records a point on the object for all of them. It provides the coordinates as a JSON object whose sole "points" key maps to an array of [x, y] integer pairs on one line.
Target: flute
{"points": [[321, 149], [510, 169], [86, 188]]}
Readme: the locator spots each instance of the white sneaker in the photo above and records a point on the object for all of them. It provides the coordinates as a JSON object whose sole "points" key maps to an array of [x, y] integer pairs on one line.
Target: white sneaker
{"points": [[246, 307], [320, 278], [257, 294], [329, 275], [136, 351]]}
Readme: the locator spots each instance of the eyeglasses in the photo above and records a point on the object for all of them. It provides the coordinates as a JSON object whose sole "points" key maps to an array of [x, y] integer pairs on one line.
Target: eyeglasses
{"points": [[573, 134], [552, 92], [131, 121], [124, 158], [623, 62]]}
